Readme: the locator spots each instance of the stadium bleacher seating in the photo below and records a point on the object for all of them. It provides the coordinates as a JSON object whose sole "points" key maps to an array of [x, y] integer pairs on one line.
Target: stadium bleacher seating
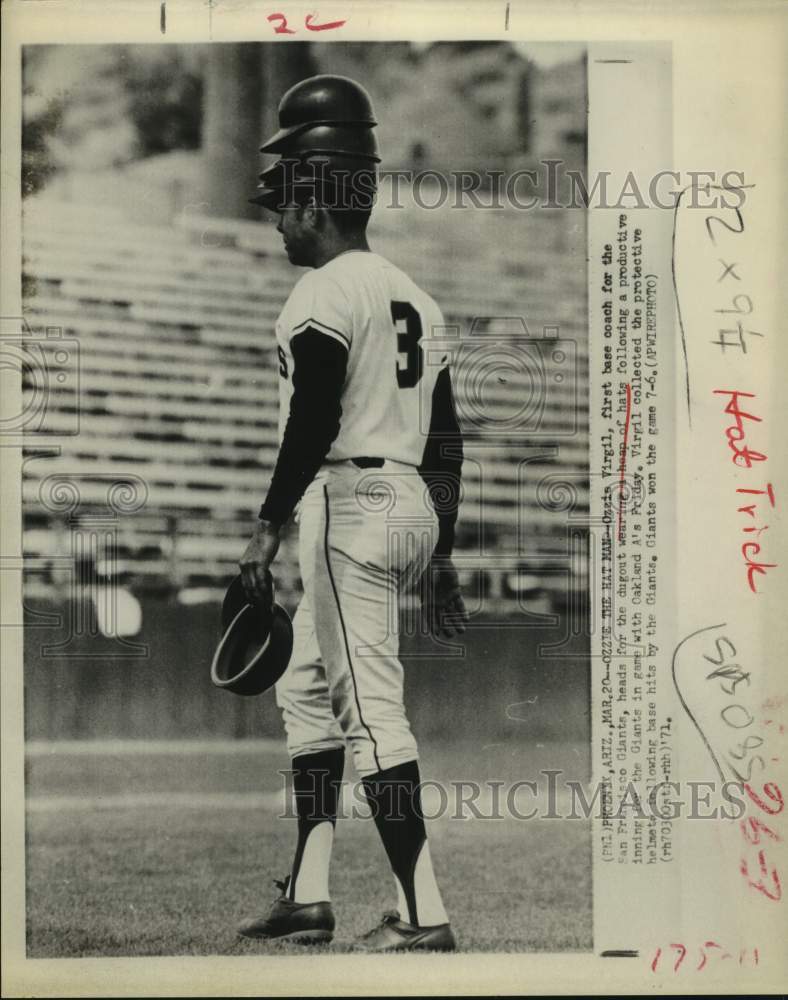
{"points": [[176, 383]]}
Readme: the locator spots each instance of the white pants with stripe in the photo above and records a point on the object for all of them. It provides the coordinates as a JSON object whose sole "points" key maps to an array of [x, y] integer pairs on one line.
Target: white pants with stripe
{"points": [[365, 535]]}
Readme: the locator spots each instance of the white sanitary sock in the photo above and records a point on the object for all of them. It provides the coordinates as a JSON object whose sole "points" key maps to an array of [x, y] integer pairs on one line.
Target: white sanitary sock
{"points": [[429, 905], [311, 883]]}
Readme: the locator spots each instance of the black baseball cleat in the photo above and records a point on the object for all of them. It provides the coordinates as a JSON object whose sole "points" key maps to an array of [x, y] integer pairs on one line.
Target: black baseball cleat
{"points": [[393, 934], [301, 923]]}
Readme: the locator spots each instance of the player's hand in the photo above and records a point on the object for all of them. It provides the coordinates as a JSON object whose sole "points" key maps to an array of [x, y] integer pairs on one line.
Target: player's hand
{"points": [[256, 563], [442, 599]]}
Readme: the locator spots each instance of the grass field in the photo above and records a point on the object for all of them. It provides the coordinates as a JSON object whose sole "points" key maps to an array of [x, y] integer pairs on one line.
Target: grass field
{"points": [[164, 853]]}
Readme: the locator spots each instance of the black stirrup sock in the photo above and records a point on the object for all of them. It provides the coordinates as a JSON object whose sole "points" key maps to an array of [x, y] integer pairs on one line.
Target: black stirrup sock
{"points": [[394, 797], [317, 782]]}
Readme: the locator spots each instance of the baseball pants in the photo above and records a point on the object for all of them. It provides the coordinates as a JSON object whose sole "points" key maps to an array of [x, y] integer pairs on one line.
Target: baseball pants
{"points": [[365, 536]]}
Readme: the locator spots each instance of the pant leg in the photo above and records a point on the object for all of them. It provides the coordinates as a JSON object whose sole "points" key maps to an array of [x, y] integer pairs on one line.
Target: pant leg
{"points": [[302, 692], [362, 550]]}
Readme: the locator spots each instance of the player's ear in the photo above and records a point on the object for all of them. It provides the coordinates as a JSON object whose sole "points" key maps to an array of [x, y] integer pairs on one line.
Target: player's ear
{"points": [[312, 213]]}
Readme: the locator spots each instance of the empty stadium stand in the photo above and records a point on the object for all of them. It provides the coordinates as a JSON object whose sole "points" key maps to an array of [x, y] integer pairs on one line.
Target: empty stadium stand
{"points": [[172, 390]]}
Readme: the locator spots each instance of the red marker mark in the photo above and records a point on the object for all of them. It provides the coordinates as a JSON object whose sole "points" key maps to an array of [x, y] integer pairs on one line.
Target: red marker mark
{"points": [[752, 828], [763, 864], [623, 464], [281, 28], [309, 23], [713, 944], [771, 791], [681, 951], [321, 27], [769, 882]]}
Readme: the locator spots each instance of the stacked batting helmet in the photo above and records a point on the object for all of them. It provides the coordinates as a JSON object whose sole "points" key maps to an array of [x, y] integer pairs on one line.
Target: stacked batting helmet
{"points": [[326, 143], [255, 647]]}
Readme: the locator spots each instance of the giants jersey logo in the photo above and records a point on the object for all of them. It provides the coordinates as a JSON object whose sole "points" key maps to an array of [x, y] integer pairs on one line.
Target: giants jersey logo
{"points": [[385, 321]]}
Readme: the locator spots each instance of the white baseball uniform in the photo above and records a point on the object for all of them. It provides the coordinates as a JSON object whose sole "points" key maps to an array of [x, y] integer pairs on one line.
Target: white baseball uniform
{"points": [[364, 532]]}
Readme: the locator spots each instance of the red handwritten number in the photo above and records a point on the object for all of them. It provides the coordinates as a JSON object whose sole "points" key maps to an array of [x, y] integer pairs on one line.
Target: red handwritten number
{"points": [[309, 23], [764, 871], [682, 953], [771, 791], [704, 958], [711, 944], [321, 27], [752, 828], [281, 28]]}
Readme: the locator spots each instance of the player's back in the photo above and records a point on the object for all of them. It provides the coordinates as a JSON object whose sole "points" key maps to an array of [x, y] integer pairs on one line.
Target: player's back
{"points": [[386, 321]]}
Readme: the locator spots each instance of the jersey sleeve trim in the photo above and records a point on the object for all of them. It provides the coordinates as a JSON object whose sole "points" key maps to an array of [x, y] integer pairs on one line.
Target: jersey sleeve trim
{"points": [[321, 328]]}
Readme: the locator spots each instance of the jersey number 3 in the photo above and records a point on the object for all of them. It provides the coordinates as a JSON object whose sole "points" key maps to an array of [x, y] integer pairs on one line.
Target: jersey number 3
{"points": [[282, 363], [410, 362]]}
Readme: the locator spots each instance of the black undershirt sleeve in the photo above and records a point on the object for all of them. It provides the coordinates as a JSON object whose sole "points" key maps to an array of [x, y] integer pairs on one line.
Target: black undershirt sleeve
{"points": [[441, 467], [319, 369]]}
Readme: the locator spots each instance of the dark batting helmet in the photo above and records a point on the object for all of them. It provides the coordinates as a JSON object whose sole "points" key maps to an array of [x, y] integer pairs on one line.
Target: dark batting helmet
{"points": [[334, 140], [328, 147], [355, 193], [317, 169], [255, 647], [320, 100]]}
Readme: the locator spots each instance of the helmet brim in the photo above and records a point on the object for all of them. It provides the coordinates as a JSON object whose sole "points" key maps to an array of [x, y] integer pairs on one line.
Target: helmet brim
{"points": [[270, 198], [332, 180], [324, 166], [279, 140]]}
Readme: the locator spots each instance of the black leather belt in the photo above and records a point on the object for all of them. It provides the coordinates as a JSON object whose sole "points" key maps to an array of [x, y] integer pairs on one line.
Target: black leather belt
{"points": [[365, 462]]}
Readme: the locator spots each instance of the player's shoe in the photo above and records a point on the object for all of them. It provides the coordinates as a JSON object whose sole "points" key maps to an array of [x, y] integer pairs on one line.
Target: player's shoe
{"points": [[393, 934], [301, 923]]}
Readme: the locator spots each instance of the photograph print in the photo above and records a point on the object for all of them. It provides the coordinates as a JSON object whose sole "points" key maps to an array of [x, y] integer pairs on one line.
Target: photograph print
{"points": [[305, 498]]}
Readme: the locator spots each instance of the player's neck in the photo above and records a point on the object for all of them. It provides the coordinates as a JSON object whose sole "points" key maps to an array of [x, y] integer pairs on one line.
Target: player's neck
{"points": [[333, 248]]}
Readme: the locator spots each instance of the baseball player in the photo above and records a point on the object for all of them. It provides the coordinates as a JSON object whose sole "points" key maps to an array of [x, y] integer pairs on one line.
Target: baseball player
{"points": [[356, 400]]}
